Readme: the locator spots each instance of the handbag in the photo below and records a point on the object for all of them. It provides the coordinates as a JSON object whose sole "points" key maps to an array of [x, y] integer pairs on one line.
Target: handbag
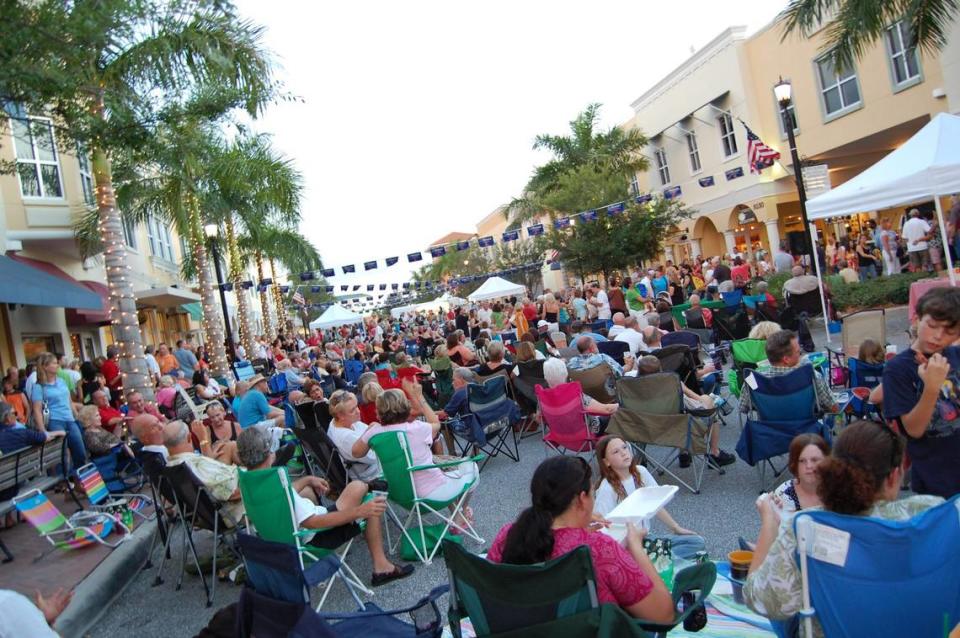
{"points": [[44, 412]]}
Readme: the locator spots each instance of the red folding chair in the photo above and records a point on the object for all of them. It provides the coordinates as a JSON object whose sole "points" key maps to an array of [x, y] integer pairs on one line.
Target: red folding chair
{"points": [[562, 414]]}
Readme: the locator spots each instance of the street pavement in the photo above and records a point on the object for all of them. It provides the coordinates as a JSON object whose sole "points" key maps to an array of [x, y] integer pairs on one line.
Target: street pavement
{"points": [[722, 511]]}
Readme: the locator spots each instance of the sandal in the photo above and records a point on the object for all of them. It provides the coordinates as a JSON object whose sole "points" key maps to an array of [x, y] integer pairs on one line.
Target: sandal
{"points": [[399, 571]]}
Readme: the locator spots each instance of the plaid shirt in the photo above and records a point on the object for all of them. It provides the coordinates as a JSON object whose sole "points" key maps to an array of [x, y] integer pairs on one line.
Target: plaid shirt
{"points": [[825, 401]]}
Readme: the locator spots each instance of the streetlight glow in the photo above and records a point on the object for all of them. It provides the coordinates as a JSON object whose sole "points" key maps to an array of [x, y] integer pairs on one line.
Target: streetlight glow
{"points": [[210, 230], [784, 92]]}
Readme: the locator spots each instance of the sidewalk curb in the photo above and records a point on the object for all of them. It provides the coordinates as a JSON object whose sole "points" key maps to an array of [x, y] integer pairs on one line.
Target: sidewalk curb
{"points": [[94, 594]]}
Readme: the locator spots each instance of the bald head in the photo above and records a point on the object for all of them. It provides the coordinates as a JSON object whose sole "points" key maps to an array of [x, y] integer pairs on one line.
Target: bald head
{"points": [[148, 429], [631, 323], [651, 336], [585, 345], [176, 436], [618, 318]]}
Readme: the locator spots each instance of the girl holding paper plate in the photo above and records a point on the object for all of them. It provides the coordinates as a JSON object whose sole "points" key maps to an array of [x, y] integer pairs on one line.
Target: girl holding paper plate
{"points": [[620, 475]]}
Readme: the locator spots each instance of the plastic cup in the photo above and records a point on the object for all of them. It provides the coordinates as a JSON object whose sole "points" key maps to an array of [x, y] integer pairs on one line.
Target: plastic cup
{"points": [[740, 564]]}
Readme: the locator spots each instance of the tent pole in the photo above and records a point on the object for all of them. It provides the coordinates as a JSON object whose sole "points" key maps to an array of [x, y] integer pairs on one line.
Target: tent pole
{"points": [[823, 297], [943, 238]]}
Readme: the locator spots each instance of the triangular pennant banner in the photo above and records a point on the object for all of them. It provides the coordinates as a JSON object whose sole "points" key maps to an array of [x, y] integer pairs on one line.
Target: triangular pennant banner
{"points": [[463, 245], [485, 242], [615, 209], [307, 276], [327, 272]]}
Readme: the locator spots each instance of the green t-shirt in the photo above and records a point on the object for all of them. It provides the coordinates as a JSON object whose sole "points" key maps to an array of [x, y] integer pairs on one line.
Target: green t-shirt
{"points": [[71, 386], [634, 300]]}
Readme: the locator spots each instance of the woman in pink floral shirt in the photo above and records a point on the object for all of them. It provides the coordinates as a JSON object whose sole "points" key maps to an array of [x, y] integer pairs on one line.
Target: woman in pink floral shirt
{"points": [[562, 519]]}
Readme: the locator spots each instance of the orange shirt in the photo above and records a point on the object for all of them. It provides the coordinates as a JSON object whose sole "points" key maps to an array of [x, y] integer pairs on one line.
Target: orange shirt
{"points": [[19, 404], [167, 363]]}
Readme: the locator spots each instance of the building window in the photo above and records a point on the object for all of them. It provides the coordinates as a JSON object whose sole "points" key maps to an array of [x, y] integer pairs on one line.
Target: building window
{"points": [[634, 185], [159, 237], [903, 56], [130, 234], [86, 174], [694, 151], [789, 112], [839, 89], [661, 157], [37, 164], [728, 136], [183, 248]]}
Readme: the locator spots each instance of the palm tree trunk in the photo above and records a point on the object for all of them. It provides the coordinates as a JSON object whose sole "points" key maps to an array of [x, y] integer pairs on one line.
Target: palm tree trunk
{"points": [[282, 320], [212, 323], [235, 277], [268, 326], [123, 303]]}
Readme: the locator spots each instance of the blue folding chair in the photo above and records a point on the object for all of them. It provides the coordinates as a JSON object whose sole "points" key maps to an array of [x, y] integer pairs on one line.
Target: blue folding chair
{"points": [[781, 408], [863, 375], [120, 472], [865, 576], [277, 384], [352, 369], [488, 427], [244, 370], [732, 300], [614, 349]]}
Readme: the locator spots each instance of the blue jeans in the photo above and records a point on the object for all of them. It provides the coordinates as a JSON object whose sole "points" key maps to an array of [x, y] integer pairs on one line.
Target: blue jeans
{"points": [[78, 452], [685, 546], [868, 272]]}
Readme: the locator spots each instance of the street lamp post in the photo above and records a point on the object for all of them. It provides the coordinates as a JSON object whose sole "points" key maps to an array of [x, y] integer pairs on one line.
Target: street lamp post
{"points": [[211, 230]]}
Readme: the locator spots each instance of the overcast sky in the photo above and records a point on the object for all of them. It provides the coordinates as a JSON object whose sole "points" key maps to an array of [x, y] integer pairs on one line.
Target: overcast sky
{"points": [[418, 117]]}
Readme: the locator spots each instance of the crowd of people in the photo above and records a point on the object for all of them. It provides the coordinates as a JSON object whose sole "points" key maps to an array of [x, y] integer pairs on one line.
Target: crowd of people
{"points": [[380, 376]]}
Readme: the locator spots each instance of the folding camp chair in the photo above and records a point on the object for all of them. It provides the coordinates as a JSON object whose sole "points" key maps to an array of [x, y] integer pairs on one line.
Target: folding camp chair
{"points": [[598, 382], [747, 353], [554, 598], [103, 500], [277, 384], [393, 451], [82, 529], [781, 407], [353, 369], [199, 510], [268, 502], [495, 413], [323, 457], [679, 359], [529, 375], [244, 371], [863, 375], [166, 508], [185, 404], [563, 419], [855, 328], [652, 412], [731, 323], [614, 349], [120, 472], [866, 576]]}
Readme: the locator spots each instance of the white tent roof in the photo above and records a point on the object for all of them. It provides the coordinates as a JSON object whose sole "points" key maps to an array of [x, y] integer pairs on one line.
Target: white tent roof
{"points": [[451, 299], [925, 166], [335, 315], [494, 288]]}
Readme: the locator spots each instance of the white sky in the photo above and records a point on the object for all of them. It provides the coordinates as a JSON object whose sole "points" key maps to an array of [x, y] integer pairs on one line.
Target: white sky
{"points": [[418, 117]]}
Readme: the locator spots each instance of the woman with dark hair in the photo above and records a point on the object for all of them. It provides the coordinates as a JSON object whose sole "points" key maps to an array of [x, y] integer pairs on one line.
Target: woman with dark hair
{"points": [[806, 453], [861, 477], [561, 519]]}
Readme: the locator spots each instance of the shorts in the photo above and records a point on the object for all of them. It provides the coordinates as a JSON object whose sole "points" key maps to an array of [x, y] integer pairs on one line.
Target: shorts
{"points": [[334, 537], [920, 258], [456, 479]]}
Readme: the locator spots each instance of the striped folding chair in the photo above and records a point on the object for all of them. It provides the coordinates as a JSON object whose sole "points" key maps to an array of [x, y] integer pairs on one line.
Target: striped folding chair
{"points": [[80, 530], [103, 500]]}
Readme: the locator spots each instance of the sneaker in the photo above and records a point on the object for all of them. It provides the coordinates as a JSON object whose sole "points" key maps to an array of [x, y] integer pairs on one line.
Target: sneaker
{"points": [[684, 459], [721, 459]]}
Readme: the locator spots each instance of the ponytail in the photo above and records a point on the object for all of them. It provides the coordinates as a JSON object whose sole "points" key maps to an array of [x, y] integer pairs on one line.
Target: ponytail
{"points": [[530, 539], [863, 457]]}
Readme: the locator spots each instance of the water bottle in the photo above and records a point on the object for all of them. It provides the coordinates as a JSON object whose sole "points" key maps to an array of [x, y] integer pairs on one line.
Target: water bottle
{"points": [[127, 518]]}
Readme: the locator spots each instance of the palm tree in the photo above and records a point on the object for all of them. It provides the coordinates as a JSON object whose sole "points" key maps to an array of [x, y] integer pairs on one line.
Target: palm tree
{"points": [[854, 25], [615, 151], [106, 71]]}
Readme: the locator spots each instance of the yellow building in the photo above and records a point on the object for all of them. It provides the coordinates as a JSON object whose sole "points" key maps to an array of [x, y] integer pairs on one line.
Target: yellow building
{"points": [[695, 119]]}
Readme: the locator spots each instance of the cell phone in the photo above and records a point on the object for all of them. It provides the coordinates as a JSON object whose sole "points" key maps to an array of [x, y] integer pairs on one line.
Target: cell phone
{"points": [[378, 493]]}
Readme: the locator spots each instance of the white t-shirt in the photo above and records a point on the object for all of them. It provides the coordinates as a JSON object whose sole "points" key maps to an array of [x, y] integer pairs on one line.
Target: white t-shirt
{"points": [[19, 617], [484, 315], [914, 231], [631, 337], [614, 331], [152, 366], [365, 468], [603, 310], [606, 499], [304, 508]]}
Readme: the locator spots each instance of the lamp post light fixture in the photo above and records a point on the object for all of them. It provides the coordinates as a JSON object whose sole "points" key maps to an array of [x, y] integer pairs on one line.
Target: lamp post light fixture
{"points": [[211, 231]]}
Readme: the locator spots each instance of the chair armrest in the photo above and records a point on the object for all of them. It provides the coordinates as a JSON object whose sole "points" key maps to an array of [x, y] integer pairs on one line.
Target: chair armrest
{"points": [[699, 578], [475, 459]]}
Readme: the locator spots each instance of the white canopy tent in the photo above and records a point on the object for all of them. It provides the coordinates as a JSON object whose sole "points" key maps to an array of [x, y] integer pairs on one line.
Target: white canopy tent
{"points": [[450, 299], [925, 167], [494, 288], [335, 315]]}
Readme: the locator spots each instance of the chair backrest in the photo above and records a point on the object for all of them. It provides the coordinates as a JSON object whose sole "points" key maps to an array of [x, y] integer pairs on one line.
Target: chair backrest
{"points": [[864, 375], [308, 415], [268, 502], [651, 411], [674, 358], [808, 302], [614, 349], [748, 351], [530, 369], [40, 512], [93, 484], [561, 408], [732, 299], [385, 378], [328, 385], [274, 569], [784, 398], [193, 499], [277, 383], [318, 445], [864, 573], [692, 318], [263, 616], [597, 382], [856, 327], [244, 370], [353, 369], [683, 337], [393, 451], [499, 598], [488, 401]]}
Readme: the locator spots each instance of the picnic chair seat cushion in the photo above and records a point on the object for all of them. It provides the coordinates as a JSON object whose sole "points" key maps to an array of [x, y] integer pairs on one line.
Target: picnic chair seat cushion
{"points": [[80, 530], [651, 411]]}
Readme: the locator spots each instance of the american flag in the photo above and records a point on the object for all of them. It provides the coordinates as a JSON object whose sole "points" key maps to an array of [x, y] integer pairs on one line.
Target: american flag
{"points": [[759, 154], [298, 298]]}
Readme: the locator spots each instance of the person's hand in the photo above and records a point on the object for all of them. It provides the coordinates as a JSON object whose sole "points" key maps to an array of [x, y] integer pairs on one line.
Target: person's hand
{"points": [[53, 606], [55, 434], [412, 388], [598, 522], [769, 512], [320, 484], [200, 431], [372, 508], [934, 371], [635, 535]]}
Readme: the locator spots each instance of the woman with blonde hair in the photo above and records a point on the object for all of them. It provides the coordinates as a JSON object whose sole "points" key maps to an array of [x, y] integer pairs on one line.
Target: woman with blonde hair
{"points": [[368, 409], [98, 441], [764, 329], [53, 408]]}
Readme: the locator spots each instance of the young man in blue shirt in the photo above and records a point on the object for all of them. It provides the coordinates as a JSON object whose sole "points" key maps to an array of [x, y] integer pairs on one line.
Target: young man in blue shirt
{"points": [[254, 408]]}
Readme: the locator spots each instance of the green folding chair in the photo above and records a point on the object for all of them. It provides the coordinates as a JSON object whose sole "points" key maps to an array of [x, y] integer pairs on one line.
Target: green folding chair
{"points": [[393, 452], [698, 580], [747, 353], [268, 501], [556, 599]]}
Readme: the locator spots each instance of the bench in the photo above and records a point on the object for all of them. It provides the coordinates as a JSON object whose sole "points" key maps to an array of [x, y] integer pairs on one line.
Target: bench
{"points": [[30, 468]]}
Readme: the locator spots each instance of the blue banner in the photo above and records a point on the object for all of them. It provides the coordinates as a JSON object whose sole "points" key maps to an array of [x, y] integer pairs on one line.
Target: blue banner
{"points": [[406, 286], [383, 286], [563, 222], [485, 242], [535, 230], [329, 288], [307, 276], [412, 257], [327, 272], [671, 193], [706, 181], [315, 289], [643, 199], [615, 209], [417, 285], [369, 287], [463, 245], [511, 235], [356, 288], [247, 285], [284, 289], [369, 265], [428, 284], [348, 269], [391, 261], [226, 287], [734, 173], [344, 288], [438, 251], [266, 281], [394, 286], [588, 216]]}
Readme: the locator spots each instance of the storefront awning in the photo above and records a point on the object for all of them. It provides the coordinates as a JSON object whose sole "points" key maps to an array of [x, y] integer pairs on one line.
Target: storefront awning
{"points": [[165, 297], [37, 283], [195, 310], [91, 317]]}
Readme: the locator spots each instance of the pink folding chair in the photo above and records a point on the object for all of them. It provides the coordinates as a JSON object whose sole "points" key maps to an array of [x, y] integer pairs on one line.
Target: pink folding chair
{"points": [[562, 414]]}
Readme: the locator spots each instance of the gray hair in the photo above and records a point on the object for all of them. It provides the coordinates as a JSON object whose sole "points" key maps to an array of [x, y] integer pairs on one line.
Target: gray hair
{"points": [[495, 351], [393, 407], [465, 374], [5, 410], [554, 372], [175, 433], [254, 445]]}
